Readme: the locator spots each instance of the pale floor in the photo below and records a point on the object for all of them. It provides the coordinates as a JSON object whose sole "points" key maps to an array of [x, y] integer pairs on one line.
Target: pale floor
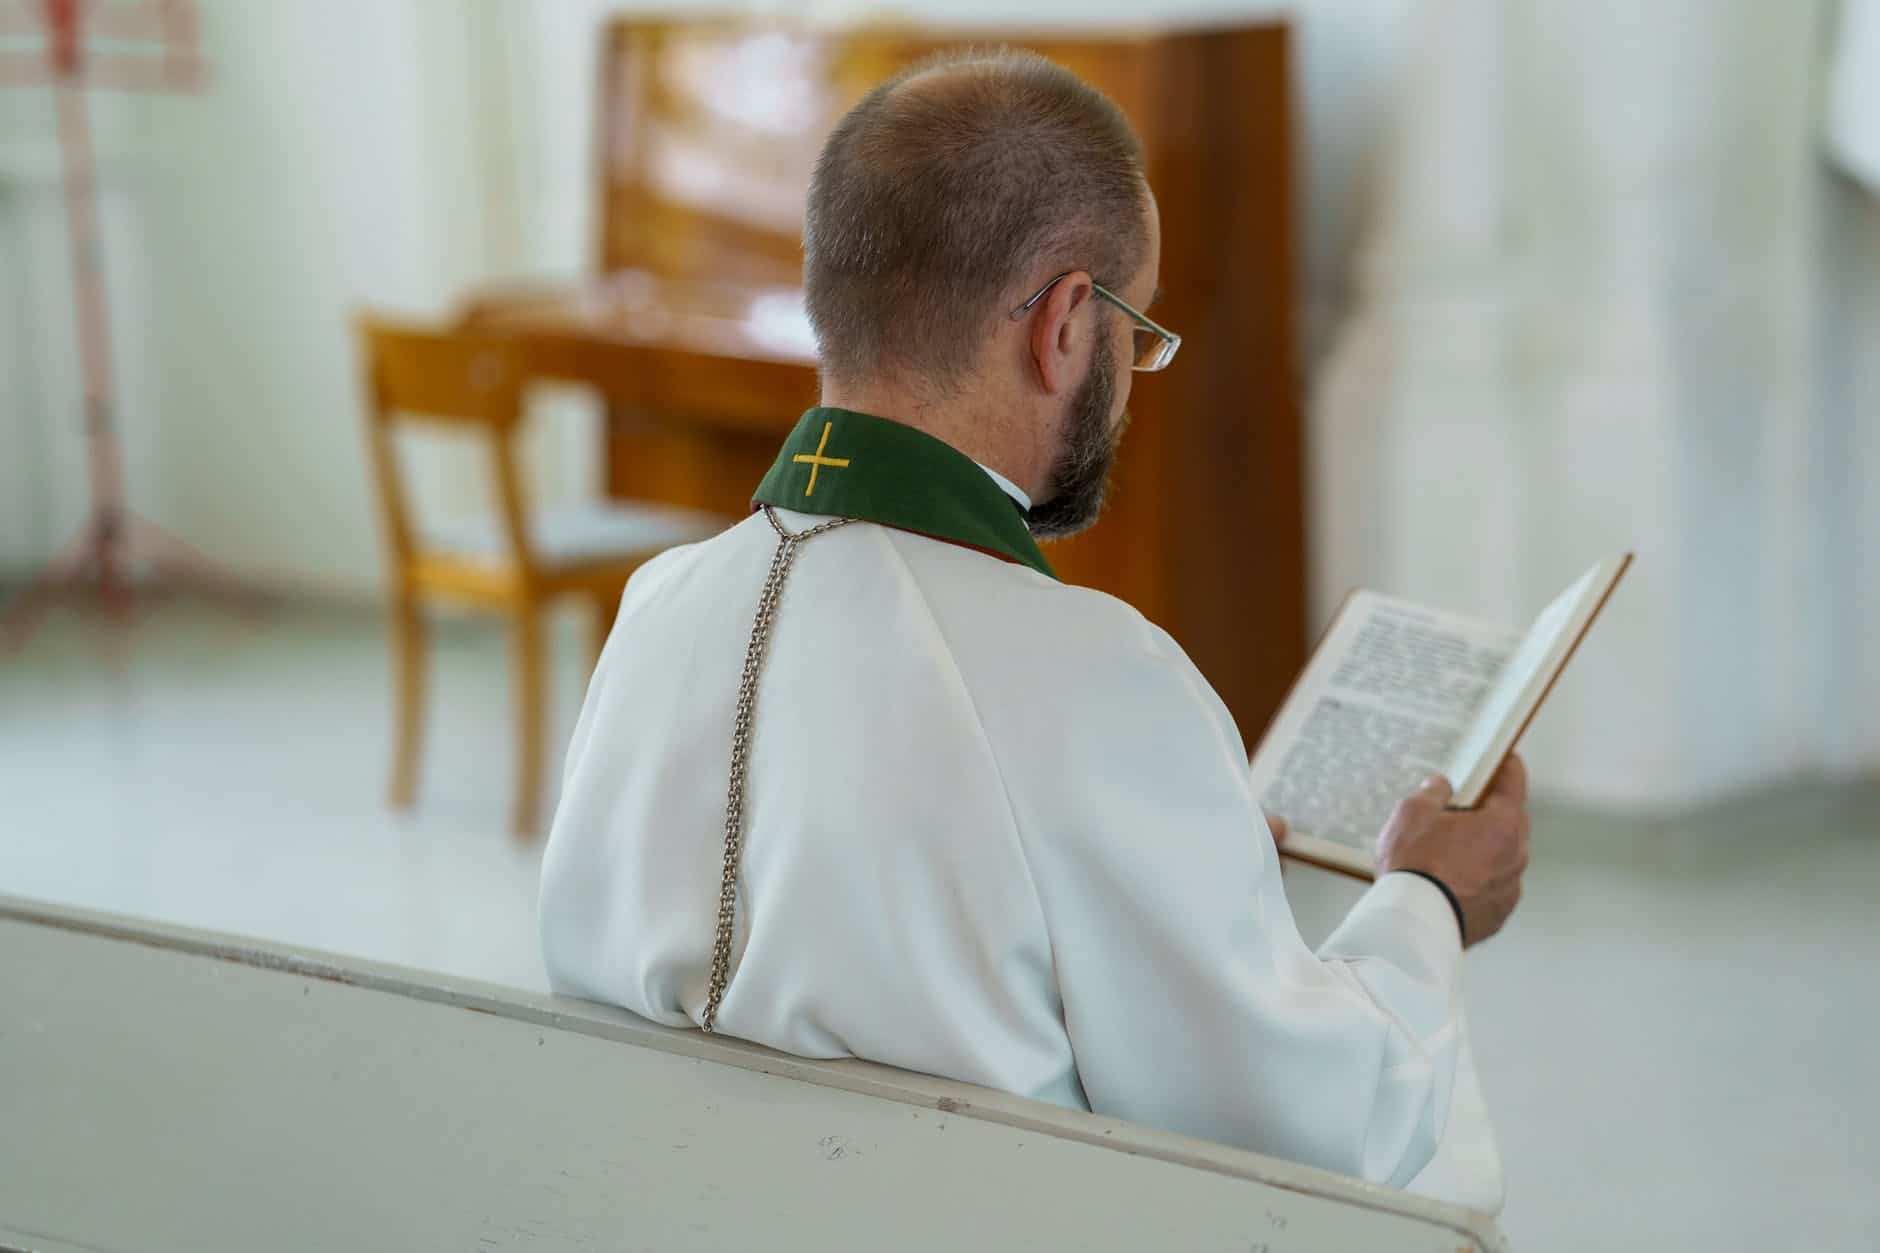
{"points": [[1677, 1033]]}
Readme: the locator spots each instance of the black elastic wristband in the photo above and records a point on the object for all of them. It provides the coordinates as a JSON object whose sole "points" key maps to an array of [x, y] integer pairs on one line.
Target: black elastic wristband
{"points": [[1455, 906]]}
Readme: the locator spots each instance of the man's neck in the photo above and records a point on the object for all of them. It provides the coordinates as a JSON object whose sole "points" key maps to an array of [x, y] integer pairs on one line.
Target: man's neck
{"points": [[989, 433]]}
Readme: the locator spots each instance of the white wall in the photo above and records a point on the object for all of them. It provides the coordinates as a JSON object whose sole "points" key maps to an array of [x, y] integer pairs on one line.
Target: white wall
{"points": [[1614, 299], [334, 161]]}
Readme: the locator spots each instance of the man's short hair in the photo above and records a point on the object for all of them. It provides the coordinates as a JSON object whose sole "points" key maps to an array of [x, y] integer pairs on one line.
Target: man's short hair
{"points": [[948, 186]]}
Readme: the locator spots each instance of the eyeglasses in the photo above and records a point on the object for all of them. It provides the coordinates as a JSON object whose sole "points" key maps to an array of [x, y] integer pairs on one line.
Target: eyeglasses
{"points": [[1155, 345]]}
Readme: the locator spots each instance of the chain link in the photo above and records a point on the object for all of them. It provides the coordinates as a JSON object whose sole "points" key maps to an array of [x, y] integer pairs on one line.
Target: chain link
{"points": [[787, 544]]}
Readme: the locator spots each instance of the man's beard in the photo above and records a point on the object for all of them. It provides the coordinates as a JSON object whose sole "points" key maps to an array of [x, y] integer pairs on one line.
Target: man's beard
{"points": [[1081, 478]]}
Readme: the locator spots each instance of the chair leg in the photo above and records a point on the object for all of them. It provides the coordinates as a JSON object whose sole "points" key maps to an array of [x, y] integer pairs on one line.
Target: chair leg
{"points": [[409, 643], [529, 713]]}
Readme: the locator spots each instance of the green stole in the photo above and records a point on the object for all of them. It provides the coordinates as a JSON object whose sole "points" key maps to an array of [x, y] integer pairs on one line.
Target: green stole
{"points": [[842, 464]]}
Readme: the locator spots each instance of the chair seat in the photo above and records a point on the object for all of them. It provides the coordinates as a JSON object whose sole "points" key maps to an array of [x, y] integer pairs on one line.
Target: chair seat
{"points": [[581, 534]]}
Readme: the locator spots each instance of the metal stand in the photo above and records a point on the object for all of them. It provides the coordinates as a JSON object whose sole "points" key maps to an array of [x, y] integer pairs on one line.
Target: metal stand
{"points": [[117, 560]]}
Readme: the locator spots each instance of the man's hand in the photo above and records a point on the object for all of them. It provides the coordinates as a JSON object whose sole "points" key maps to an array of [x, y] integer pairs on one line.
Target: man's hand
{"points": [[1277, 825], [1478, 854]]}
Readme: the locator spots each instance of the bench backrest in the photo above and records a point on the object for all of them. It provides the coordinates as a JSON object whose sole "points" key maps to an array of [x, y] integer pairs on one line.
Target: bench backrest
{"points": [[164, 1089]]}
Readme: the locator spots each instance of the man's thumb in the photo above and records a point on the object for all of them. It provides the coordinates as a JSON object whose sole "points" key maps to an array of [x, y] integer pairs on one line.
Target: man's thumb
{"points": [[1435, 790]]}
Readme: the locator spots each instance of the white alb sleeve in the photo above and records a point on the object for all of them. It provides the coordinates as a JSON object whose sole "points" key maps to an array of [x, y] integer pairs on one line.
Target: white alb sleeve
{"points": [[1190, 1000]]}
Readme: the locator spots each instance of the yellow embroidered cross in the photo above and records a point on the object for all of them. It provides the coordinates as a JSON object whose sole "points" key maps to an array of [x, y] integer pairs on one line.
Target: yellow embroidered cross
{"points": [[816, 461]]}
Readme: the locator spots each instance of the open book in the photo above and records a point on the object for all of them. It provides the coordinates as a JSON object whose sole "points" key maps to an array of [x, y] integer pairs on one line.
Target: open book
{"points": [[1396, 692]]}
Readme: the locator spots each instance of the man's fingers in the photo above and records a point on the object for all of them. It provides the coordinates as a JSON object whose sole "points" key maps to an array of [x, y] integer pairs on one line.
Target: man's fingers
{"points": [[1512, 781], [1278, 826], [1435, 790]]}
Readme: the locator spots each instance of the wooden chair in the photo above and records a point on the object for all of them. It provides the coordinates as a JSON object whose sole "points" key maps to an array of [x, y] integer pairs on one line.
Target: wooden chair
{"points": [[513, 562]]}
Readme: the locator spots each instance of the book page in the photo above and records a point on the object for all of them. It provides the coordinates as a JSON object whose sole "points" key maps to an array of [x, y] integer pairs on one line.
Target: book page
{"points": [[1385, 701], [1523, 684]]}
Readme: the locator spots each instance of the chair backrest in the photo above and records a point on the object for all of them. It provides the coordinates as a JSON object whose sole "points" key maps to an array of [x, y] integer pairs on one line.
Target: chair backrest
{"points": [[453, 377], [268, 1097]]}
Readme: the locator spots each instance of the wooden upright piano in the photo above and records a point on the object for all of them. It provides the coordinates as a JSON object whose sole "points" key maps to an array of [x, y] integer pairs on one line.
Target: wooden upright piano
{"points": [[693, 330]]}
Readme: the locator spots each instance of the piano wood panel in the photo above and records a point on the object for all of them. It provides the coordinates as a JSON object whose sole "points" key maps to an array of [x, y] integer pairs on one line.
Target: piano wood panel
{"points": [[707, 133]]}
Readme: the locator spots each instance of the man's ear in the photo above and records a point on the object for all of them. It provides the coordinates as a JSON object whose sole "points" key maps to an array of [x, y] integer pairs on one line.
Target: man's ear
{"points": [[1060, 340]]}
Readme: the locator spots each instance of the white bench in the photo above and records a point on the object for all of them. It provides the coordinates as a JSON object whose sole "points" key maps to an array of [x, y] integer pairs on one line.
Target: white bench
{"points": [[166, 1089]]}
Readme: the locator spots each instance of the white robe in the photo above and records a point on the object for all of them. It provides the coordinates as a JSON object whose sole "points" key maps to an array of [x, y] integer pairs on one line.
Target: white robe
{"points": [[1854, 93], [998, 829]]}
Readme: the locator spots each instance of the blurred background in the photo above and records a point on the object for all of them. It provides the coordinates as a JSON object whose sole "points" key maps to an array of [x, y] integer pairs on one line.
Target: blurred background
{"points": [[1475, 293]]}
